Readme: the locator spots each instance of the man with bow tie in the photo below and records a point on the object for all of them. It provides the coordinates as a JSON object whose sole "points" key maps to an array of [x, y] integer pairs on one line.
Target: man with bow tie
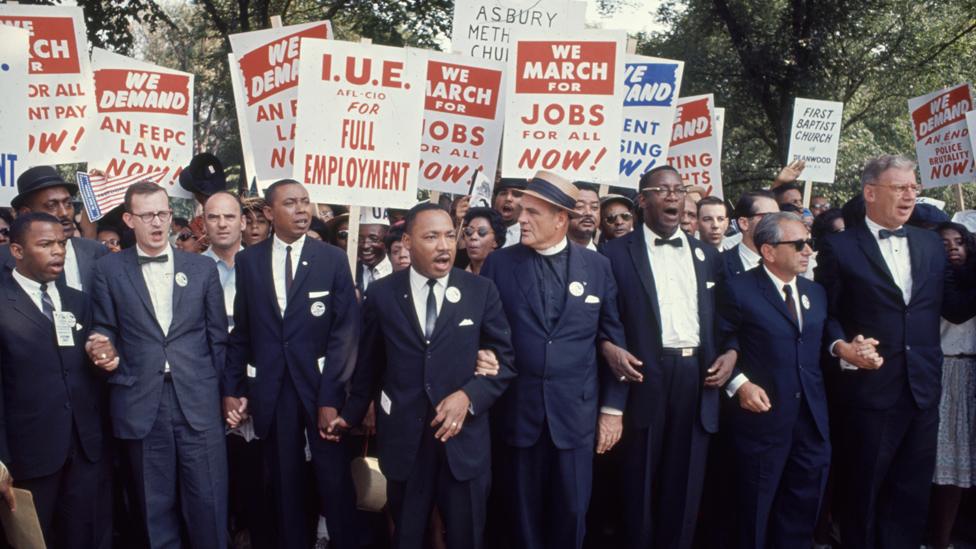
{"points": [[889, 282]]}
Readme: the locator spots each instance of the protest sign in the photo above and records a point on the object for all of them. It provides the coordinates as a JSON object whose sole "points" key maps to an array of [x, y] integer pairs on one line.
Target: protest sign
{"points": [[99, 194], [815, 136], [481, 190], [719, 120], [264, 75], [144, 120], [14, 52], [971, 128], [694, 144], [463, 118], [364, 149], [60, 100], [565, 106], [652, 87], [484, 29], [945, 155]]}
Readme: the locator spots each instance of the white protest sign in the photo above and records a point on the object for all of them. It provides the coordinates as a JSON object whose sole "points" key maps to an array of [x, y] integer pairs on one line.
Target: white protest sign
{"points": [[565, 106], [14, 53], [694, 144], [144, 119], [815, 137], [945, 156], [719, 119], [60, 102], [264, 74], [652, 87], [484, 28], [971, 128], [364, 149], [463, 119]]}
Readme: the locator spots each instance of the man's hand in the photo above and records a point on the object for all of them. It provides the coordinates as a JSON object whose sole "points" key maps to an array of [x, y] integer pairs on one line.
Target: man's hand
{"points": [[753, 398], [861, 352], [450, 415], [608, 430], [487, 364], [621, 362], [7, 487], [461, 207], [235, 411], [331, 426], [101, 352], [721, 369], [790, 173]]}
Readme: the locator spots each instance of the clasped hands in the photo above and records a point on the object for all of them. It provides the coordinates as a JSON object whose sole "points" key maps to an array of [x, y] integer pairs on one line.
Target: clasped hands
{"points": [[101, 352]]}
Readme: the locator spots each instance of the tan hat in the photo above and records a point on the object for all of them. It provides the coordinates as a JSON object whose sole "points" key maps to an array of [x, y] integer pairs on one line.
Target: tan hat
{"points": [[553, 189]]}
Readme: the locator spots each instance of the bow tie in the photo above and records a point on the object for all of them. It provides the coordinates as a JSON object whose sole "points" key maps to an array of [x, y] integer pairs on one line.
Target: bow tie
{"points": [[143, 259], [676, 242], [885, 233]]}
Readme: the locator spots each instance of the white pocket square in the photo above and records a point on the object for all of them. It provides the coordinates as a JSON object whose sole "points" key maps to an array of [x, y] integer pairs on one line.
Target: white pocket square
{"points": [[708, 285], [313, 295], [466, 322], [591, 299]]}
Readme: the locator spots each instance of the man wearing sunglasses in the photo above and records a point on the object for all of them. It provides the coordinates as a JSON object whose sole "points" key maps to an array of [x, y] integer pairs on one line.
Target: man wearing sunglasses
{"points": [[616, 216]]}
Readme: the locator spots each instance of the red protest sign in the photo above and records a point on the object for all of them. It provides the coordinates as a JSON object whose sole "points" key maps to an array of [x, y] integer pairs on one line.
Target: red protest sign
{"points": [[941, 137], [462, 89], [566, 67], [120, 90], [53, 49], [273, 67]]}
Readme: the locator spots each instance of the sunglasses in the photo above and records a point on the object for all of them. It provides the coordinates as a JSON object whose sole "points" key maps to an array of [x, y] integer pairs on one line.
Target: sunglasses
{"points": [[343, 234], [611, 219], [183, 237], [798, 245], [482, 231]]}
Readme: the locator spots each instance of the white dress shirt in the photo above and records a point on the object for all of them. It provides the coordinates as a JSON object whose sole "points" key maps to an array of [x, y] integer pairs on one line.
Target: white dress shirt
{"points": [[72, 275], [419, 291], [896, 256], [278, 267], [738, 380], [591, 245], [159, 282], [750, 259], [33, 290], [373, 274], [677, 290], [513, 235]]}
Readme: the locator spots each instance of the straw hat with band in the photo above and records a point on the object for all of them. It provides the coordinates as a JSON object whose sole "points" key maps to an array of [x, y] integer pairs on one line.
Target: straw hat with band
{"points": [[553, 189]]}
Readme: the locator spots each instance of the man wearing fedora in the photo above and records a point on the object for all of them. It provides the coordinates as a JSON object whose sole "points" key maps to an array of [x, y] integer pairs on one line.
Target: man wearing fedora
{"points": [[561, 302], [42, 189], [203, 177]]}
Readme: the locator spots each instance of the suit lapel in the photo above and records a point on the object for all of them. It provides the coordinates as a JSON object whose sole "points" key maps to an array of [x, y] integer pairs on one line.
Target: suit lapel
{"points": [[134, 271], [772, 294], [449, 311], [404, 298], [870, 247], [919, 258], [529, 285], [576, 272], [179, 266], [638, 253], [266, 275], [306, 262], [22, 303]]}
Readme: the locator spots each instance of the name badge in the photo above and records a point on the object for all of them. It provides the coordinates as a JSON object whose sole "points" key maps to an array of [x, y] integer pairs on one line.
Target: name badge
{"points": [[64, 325]]}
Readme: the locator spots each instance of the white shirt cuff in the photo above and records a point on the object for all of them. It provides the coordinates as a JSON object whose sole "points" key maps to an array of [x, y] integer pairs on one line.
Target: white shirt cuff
{"points": [[832, 345], [610, 411], [844, 365], [733, 386]]}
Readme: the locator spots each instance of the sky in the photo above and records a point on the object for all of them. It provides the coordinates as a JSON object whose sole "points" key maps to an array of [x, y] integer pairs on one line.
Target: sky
{"points": [[632, 16]]}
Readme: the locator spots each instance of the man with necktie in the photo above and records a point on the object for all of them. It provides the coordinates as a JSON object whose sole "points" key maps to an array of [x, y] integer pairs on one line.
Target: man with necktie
{"points": [[163, 309], [296, 320], [888, 282], [561, 302]]}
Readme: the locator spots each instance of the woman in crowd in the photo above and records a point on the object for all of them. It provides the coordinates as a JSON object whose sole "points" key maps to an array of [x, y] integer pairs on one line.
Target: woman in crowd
{"points": [[483, 232]]}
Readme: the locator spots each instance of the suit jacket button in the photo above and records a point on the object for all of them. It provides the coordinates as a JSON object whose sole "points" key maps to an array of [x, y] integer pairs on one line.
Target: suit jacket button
{"points": [[908, 347], [67, 405], [796, 395]]}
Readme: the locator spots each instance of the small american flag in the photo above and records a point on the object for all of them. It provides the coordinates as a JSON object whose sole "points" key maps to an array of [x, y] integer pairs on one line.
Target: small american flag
{"points": [[100, 194]]}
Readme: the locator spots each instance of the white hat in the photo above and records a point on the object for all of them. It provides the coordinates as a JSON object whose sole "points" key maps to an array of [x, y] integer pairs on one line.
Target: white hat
{"points": [[374, 216]]}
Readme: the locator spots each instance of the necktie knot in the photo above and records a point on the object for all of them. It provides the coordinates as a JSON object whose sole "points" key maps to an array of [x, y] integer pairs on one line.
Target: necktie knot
{"points": [[431, 282], [675, 242], [885, 233], [43, 287], [162, 258], [788, 290]]}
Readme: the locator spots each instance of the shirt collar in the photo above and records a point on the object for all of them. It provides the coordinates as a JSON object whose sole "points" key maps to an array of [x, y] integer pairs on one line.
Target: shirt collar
{"points": [[213, 255], [31, 286], [874, 228], [295, 246], [748, 256], [554, 249], [418, 281], [650, 235], [777, 283], [143, 253]]}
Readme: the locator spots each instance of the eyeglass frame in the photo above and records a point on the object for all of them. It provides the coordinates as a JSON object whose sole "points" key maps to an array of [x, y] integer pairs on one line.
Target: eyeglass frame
{"points": [[798, 245], [168, 214]]}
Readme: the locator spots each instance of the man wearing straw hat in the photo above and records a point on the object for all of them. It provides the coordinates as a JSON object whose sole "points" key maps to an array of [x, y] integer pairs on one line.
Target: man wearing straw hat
{"points": [[561, 302]]}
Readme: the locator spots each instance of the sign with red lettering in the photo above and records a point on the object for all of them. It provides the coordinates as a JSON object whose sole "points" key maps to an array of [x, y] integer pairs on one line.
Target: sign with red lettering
{"points": [[945, 156], [264, 74], [59, 94], [463, 118], [695, 151], [364, 148], [565, 106], [14, 53], [144, 119]]}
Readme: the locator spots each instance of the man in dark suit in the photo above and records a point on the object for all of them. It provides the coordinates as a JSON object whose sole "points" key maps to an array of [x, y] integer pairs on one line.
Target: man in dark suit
{"points": [[749, 210], [666, 303], [296, 320], [423, 330], [776, 323], [41, 189], [164, 311], [560, 300], [51, 437], [887, 281]]}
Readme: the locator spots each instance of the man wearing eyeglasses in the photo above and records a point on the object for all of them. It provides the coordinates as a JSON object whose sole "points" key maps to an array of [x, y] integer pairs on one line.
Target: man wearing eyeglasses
{"points": [[42, 189], [163, 309], [891, 282], [776, 322], [616, 216], [670, 383], [749, 210]]}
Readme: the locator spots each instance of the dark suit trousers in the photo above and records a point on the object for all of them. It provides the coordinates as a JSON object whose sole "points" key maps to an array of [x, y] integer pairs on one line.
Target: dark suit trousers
{"points": [[780, 479], [66, 501], [284, 456], [178, 470], [550, 494], [664, 465], [886, 475], [463, 504]]}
